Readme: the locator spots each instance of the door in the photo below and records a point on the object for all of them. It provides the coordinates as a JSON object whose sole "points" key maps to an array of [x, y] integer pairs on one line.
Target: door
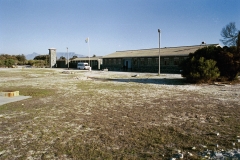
{"points": [[127, 64]]}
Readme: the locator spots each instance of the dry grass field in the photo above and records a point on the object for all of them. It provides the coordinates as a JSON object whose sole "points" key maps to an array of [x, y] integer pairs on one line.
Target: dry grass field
{"points": [[113, 115]]}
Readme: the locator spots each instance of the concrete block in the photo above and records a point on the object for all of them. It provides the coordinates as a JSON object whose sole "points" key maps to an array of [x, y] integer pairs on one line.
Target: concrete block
{"points": [[9, 94]]}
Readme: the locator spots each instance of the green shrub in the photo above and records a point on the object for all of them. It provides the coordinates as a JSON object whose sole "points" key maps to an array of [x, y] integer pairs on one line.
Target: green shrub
{"points": [[228, 64], [208, 63], [9, 62], [200, 70], [2, 63]]}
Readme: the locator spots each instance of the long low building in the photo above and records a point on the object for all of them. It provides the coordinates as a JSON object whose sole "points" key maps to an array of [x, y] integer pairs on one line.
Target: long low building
{"points": [[143, 60], [147, 60]]}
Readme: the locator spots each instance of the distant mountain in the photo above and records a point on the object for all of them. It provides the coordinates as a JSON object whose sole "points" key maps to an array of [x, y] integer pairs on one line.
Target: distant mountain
{"points": [[69, 55], [59, 54], [31, 56]]}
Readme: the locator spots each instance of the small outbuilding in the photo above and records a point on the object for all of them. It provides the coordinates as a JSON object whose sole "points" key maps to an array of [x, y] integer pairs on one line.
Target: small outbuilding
{"points": [[95, 62]]}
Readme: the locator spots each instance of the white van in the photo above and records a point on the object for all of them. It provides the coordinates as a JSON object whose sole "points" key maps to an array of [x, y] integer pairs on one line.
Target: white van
{"points": [[82, 65]]}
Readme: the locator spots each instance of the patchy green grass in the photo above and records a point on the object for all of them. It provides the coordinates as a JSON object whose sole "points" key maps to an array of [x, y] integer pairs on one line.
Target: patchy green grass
{"points": [[104, 85], [29, 91]]}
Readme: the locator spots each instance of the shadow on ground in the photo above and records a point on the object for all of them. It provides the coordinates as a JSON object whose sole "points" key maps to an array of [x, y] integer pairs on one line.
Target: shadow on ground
{"points": [[163, 81]]}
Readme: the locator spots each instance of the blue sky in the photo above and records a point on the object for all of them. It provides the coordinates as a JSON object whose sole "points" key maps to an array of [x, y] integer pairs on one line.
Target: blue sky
{"points": [[28, 26]]}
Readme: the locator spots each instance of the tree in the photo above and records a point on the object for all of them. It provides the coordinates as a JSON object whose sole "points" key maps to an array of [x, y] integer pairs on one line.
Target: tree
{"points": [[39, 63], [73, 57], [42, 57], [7, 60], [200, 70], [226, 60], [21, 59], [238, 43], [9, 63], [41, 60], [62, 58], [31, 62], [228, 64], [229, 34], [1, 63]]}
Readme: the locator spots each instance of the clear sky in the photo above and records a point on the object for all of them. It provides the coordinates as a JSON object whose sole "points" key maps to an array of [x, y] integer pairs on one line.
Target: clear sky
{"points": [[28, 26]]}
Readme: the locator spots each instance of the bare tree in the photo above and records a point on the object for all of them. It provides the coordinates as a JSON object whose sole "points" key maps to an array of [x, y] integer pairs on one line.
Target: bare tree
{"points": [[229, 34], [238, 43]]}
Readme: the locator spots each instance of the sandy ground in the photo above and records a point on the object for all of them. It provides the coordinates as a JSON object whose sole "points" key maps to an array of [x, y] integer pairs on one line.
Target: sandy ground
{"points": [[85, 101]]}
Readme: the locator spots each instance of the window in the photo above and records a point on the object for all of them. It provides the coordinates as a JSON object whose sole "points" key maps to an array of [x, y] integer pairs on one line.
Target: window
{"points": [[166, 61], [134, 61], [149, 62], [176, 61], [119, 61], [156, 61], [142, 61]]}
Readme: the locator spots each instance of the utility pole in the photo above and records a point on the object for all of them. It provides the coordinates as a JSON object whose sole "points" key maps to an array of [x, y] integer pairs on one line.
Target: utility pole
{"points": [[67, 59], [159, 32]]}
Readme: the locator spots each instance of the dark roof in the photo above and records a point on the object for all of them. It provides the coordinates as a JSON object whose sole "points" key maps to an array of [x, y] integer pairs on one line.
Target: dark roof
{"points": [[154, 52], [86, 58]]}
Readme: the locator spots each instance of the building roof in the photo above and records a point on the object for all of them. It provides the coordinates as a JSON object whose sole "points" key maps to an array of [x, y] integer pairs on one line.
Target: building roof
{"points": [[154, 52], [86, 58]]}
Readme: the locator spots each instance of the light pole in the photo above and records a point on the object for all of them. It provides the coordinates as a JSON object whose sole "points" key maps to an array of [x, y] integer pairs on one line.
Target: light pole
{"points": [[159, 31], [67, 59]]}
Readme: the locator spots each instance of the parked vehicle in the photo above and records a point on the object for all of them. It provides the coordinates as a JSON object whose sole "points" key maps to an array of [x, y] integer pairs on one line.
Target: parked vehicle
{"points": [[83, 66]]}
